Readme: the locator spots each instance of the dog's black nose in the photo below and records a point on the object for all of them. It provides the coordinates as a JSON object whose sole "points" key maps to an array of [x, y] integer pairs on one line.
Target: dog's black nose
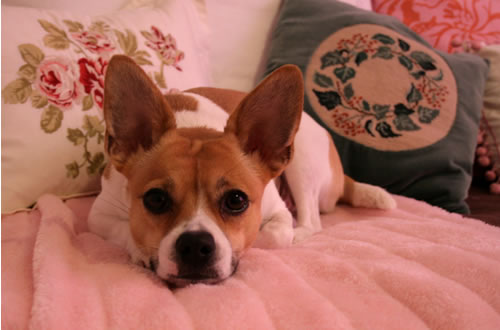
{"points": [[195, 248]]}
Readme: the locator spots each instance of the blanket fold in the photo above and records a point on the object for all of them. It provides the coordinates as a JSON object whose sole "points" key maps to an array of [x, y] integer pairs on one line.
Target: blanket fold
{"points": [[416, 267]]}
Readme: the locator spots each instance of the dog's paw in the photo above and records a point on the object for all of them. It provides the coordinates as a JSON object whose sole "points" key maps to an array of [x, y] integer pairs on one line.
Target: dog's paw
{"points": [[366, 195], [136, 255], [276, 233], [302, 233]]}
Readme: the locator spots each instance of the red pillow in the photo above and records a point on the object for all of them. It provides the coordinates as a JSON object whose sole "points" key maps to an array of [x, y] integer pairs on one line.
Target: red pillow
{"points": [[441, 21]]}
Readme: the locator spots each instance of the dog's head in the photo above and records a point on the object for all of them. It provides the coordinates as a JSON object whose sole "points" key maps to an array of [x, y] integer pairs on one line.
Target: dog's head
{"points": [[195, 193]]}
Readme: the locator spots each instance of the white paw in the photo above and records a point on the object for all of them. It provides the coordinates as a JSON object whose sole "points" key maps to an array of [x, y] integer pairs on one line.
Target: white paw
{"points": [[302, 233], [369, 196], [275, 234]]}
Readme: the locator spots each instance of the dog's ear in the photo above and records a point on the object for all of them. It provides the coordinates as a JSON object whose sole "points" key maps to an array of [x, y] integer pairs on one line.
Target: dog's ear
{"points": [[267, 119], [135, 111]]}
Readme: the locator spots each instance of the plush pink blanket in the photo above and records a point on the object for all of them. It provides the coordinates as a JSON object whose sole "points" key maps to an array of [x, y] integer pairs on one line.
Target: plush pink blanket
{"points": [[416, 267]]}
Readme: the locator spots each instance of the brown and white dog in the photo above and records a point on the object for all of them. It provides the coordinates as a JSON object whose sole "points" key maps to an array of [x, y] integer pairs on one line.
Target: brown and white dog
{"points": [[189, 186]]}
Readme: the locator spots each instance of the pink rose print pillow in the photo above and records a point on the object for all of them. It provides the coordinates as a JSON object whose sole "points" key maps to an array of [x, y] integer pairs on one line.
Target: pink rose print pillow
{"points": [[53, 67], [440, 22]]}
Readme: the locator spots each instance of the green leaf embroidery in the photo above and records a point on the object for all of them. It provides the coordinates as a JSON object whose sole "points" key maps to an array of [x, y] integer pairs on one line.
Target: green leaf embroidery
{"points": [[385, 130], [344, 73], [401, 109], [403, 45], [128, 42], [368, 127], [141, 59], [404, 123], [366, 105], [330, 100], [414, 95], [31, 54], [17, 91], [76, 136], [406, 62], [424, 60], [99, 26], [348, 91], [72, 170], [56, 41], [383, 52], [27, 71], [92, 125], [426, 115], [38, 100], [87, 102], [96, 163], [73, 26], [333, 58], [360, 58], [439, 76], [381, 110], [417, 75], [147, 35], [383, 38], [51, 119], [322, 80], [160, 80], [51, 28]]}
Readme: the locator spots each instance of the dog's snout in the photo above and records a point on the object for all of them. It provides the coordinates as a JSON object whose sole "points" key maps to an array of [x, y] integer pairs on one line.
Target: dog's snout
{"points": [[195, 249]]}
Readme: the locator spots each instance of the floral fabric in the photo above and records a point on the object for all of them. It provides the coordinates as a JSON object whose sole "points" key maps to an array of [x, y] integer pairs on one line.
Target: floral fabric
{"points": [[53, 69], [58, 84], [442, 21]]}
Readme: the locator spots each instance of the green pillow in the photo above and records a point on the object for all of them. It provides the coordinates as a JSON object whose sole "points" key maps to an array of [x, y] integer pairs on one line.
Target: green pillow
{"points": [[403, 115]]}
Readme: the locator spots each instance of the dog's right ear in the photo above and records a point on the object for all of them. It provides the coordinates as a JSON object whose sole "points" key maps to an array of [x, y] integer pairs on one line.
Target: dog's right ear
{"points": [[135, 111]]}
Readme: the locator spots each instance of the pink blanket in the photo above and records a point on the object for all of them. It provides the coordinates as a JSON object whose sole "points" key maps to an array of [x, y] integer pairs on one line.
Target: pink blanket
{"points": [[416, 267]]}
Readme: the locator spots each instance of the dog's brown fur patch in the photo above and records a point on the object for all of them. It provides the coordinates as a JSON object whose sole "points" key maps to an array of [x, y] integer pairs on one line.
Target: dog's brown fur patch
{"points": [[179, 102]]}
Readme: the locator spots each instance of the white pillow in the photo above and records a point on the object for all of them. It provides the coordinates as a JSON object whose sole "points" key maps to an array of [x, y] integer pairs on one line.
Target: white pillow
{"points": [[53, 66], [87, 7], [240, 33]]}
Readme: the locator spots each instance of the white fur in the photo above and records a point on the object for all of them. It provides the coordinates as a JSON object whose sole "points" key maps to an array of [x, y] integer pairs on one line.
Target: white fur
{"points": [[366, 195], [276, 230], [208, 115], [199, 222]]}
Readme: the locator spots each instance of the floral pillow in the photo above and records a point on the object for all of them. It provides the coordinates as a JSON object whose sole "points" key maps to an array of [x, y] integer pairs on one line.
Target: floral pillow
{"points": [[442, 22], [53, 67]]}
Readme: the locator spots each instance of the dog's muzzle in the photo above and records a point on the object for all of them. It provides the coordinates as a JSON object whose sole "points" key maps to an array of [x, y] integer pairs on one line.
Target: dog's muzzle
{"points": [[195, 253]]}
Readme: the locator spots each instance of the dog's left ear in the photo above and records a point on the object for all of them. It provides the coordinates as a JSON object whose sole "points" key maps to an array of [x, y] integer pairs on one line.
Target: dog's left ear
{"points": [[267, 119]]}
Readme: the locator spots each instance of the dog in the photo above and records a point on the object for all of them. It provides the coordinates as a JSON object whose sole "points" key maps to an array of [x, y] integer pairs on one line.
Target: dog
{"points": [[190, 181]]}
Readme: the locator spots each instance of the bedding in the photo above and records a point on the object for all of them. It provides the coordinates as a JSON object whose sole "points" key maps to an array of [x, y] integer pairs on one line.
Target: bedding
{"points": [[416, 267]]}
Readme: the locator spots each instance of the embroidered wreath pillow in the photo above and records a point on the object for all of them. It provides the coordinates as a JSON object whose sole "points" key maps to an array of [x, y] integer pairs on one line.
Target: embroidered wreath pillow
{"points": [[403, 115], [53, 66]]}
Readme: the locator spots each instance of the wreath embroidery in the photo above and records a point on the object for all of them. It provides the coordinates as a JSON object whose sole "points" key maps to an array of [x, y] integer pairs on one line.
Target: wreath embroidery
{"points": [[55, 84], [352, 113]]}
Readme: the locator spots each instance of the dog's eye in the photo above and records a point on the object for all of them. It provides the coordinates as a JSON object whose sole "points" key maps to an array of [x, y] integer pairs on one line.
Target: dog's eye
{"points": [[234, 202], [157, 201]]}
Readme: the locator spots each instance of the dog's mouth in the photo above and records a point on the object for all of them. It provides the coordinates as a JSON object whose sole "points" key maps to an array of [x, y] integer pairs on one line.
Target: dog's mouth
{"points": [[189, 279], [209, 277]]}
